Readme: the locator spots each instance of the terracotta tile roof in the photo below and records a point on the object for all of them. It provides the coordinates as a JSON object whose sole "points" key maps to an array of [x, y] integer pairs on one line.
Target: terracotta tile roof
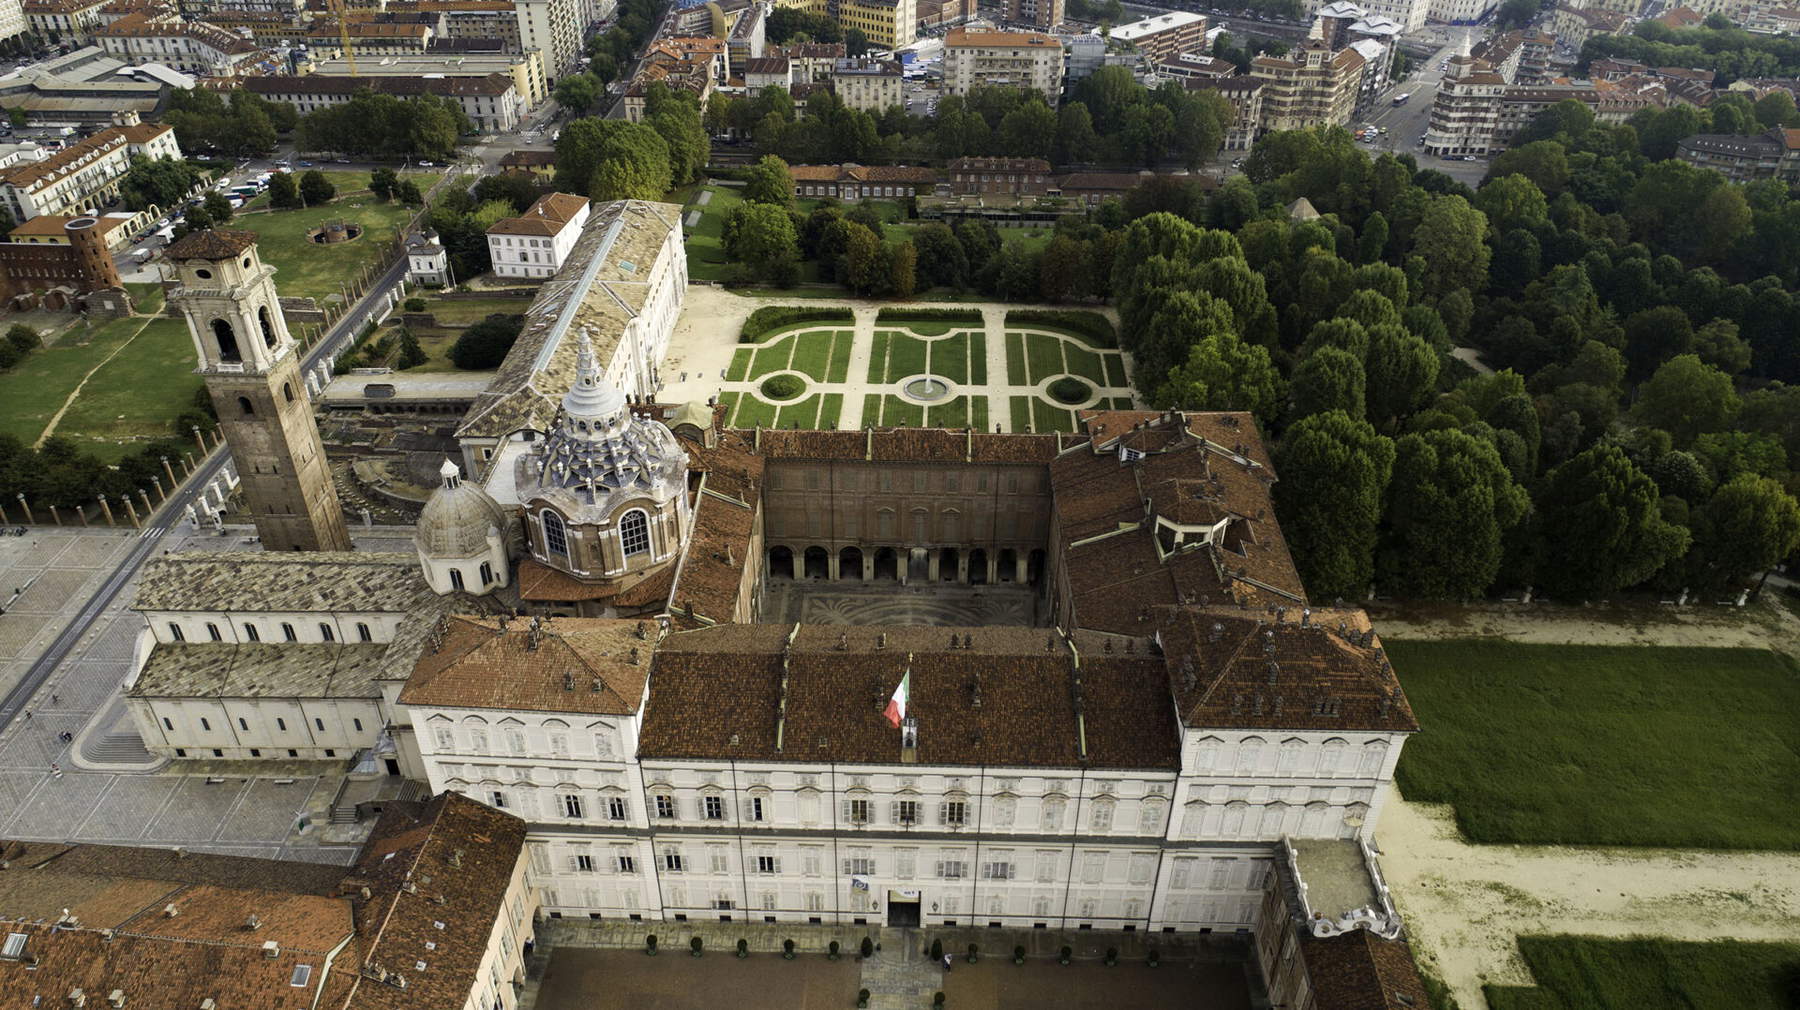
{"points": [[915, 174], [539, 582], [574, 664], [1105, 181], [947, 445], [962, 37], [493, 85], [1361, 971], [211, 244], [458, 857], [264, 670], [1026, 165], [709, 586], [1007, 699], [73, 158], [1239, 668], [548, 216], [52, 224], [535, 159]]}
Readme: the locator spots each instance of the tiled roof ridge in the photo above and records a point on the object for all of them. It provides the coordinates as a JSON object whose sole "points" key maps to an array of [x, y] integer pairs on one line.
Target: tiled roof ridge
{"points": [[1225, 667], [393, 902]]}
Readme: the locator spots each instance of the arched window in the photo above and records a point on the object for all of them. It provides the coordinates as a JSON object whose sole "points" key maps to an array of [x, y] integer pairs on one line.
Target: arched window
{"points": [[634, 532], [363, 632], [228, 348], [1249, 752], [268, 327], [556, 539], [325, 632], [456, 579], [1193, 819], [487, 574], [1101, 816], [1150, 817], [245, 406], [287, 632], [287, 391]]}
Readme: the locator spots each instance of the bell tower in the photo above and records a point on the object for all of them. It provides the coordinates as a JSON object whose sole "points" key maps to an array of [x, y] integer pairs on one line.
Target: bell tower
{"points": [[252, 372]]}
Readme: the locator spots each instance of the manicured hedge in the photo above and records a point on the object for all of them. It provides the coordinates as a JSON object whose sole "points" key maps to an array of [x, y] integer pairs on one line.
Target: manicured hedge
{"points": [[774, 318], [1088, 324], [783, 387], [1071, 390], [902, 313]]}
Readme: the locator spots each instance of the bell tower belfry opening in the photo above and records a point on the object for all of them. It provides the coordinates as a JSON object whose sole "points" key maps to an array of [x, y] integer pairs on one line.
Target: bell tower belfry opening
{"points": [[252, 371]]}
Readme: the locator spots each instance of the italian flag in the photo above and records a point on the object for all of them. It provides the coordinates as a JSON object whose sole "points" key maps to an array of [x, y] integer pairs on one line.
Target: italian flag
{"points": [[896, 706]]}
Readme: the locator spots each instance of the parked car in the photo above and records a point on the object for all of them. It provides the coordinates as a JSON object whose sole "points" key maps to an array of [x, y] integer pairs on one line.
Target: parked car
{"points": [[306, 164], [427, 164]]}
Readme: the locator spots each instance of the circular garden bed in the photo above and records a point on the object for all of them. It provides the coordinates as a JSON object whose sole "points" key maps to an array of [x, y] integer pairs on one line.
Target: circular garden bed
{"points": [[1069, 389], [783, 387]]}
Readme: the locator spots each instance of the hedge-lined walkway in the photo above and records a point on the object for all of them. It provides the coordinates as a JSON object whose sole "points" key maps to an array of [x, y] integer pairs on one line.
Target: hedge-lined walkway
{"points": [[853, 374]]}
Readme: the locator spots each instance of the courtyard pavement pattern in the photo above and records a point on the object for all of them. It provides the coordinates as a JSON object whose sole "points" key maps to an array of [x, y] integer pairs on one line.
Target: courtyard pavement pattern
{"points": [[107, 788], [1465, 904], [934, 604], [589, 957], [704, 342]]}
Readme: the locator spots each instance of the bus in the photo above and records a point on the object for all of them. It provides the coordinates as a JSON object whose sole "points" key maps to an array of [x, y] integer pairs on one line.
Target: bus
{"points": [[1400, 99]]}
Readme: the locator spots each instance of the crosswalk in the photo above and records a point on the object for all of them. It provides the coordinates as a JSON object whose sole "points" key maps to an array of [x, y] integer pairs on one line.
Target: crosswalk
{"points": [[152, 532]]}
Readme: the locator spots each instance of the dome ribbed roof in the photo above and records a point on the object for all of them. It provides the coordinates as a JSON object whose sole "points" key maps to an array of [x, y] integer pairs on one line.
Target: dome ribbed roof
{"points": [[456, 518]]}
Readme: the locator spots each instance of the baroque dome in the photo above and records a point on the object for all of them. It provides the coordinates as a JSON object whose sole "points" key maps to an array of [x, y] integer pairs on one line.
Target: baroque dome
{"points": [[456, 518], [599, 453]]}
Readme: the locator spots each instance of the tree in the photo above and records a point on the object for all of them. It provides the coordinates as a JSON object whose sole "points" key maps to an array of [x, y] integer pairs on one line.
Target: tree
{"points": [[941, 260], [217, 207], [1512, 201], [761, 238], [1749, 525], [1603, 526], [411, 354], [578, 92], [856, 43], [315, 189], [1334, 474], [1402, 371], [382, 182], [1653, 336], [863, 265], [516, 188], [1372, 243], [407, 192], [484, 345], [24, 338], [768, 181], [1449, 240], [675, 117], [163, 182], [1060, 268], [1076, 141], [1029, 131], [902, 264], [1450, 503], [1220, 372], [284, 194], [1687, 397], [1330, 378], [612, 159]]}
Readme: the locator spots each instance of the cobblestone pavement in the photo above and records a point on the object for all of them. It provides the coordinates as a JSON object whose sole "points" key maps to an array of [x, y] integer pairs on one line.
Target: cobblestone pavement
{"points": [[1192, 971], [250, 809], [887, 602]]}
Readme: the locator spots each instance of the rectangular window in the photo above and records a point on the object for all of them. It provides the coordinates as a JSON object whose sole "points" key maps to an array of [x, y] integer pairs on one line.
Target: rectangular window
{"points": [[212, 632], [625, 864], [716, 859], [859, 866], [665, 807], [952, 869], [768, 864], [205, 726], [251, 634], [325, 633], [906, 812], [288, 633], [443, 735], [497, 800], [584, 863], [571, 806], [756, 808], [175, 632], [714, 807], [856, 811], [997, 871], [672, 861], [357, 723], [320, 723], [953, 813], [615, 808], [243, 724]]}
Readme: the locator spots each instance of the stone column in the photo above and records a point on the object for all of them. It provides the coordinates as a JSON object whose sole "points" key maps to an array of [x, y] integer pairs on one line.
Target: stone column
{"points": [[149, 509], [799, 560], [26, 507], [312, 384], [831, 565], [170, 470], [868, 566], [1020, 562], [993, 566], [130, 510], [54, 517], [199, 439], [962, 566], [161, 495], [933, 562], [104, 507]]}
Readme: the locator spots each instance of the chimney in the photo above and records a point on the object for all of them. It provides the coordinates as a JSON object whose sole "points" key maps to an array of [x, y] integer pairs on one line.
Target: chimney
{"points": [[568, 681], [456, 858], [271, 949], [116, 998], [208, 1004], [77, 997], [253, 922], [170, 911]]}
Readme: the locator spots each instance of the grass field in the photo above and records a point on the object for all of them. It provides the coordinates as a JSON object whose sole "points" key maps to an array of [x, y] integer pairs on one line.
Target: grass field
{"points": [[706, 257], [437, 341], [1605, 745], [306, 269], [1589, 973], [142, 376]]}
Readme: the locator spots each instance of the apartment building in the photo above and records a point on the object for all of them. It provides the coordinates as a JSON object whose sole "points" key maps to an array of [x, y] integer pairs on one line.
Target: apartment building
{"points": [[553, 27], [192, 47], [492, 103], [889, 24], [537, 242], [1043, 14], [1477, 113], [1002, 59], [12, 19], [1164, 36], [62, 19], [525, 70], [1573, 26], [1311, 86], [369, 39], [1013, 176], [1460, 12], [1771, 155], [747, 38], [869, 85], [767, 72], [85, 175], [1245, 93]]}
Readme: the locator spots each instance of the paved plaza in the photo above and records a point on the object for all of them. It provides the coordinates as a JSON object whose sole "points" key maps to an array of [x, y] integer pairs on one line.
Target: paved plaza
{"points": [[102, 786], [934, 604]]}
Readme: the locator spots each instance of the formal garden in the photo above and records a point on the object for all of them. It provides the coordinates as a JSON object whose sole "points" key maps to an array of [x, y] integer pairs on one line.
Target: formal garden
{"points": [[1605, 745], [1645, 973], [914, 366]]}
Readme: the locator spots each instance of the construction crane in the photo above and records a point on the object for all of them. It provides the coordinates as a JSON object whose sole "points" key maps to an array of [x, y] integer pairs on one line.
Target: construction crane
{"points": [[343, 20]]}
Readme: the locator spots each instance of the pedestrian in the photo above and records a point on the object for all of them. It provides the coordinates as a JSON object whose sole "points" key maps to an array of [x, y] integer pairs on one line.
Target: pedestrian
{"points": [[946, 963], [28, 715], [55, 699]]}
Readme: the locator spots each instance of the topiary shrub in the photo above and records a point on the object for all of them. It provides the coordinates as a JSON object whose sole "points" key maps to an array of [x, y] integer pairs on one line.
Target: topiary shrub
{"points": [[868, 947], [484, 345], [862, 997], [743, 948], [650, 945], [783, 387], [972, 953], [1019, 955], [787, 949], [415, 305], [771, 318], [1064, 956], [1112, 956], [937, 950], [694, 946], [1096, 327], [1152, 956], [831, 952], [938, 999], [1069, 389]]}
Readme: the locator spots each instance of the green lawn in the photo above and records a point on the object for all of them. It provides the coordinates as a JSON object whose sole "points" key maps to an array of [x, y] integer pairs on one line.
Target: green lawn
{"points": [[978, 358], [906, 356], [137, 393], [1044, 355], [473, 310], [817, 351], [1605, 745], [804, 414], [950, 358], [1589, 973], [739, 368], [773, 358], [896, 411], [831, 411], [1015, 358], [1046, 416], [1115, 369], [878, 349], [706, 257], [345, 183], [306, 269], [1020, 409], [840, 356]]}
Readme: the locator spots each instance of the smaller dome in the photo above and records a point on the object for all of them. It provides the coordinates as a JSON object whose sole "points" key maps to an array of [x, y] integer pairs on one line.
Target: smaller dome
{"points": [[456, 518], [591, 398]]}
